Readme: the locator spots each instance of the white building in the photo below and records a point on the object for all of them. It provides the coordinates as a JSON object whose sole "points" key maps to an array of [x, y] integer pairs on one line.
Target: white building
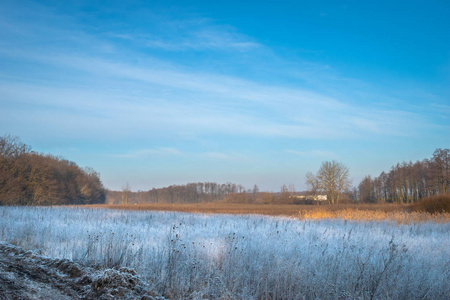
{"points": [[312, 197]]}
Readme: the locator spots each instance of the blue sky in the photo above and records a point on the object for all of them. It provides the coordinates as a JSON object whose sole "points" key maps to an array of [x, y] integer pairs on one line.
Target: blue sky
{"points": [[156, 93]]}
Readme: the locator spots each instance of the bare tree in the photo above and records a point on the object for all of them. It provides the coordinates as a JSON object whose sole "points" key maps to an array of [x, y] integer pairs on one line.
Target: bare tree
{"points": [[284, 194], [255, 189], [441, 169], [11, 147], [126, 193], [313, 184], [30, 178], [409, 182], [366, 190], [291, 190], [334, 179]]}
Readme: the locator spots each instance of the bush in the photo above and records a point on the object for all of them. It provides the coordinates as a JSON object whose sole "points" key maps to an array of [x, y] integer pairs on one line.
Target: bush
{"points": [[436, 204]]}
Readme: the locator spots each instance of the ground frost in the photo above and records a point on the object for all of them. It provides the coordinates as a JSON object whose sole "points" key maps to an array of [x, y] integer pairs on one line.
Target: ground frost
{"points": [[245, 257]]}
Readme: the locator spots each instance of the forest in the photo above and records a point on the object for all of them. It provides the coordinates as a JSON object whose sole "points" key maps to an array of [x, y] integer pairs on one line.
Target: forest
{"points": [[408, 182], [200, 192], [188, 193], [31, 178]]}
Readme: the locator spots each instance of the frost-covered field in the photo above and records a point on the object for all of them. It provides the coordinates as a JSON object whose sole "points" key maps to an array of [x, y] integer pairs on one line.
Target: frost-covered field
{"points": [[244, 257]]}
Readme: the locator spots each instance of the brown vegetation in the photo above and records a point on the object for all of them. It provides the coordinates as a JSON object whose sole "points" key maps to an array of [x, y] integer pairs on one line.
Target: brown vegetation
{"points": [[409, 182], [188, 193], [30, 178], [434, 205], [210, 192], [354, 212], [218, 207]]}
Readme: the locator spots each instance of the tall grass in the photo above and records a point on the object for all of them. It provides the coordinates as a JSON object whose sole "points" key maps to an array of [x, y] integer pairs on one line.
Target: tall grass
{"points": [[353, 214], [359, 212], [194, 256], [433, 205]]}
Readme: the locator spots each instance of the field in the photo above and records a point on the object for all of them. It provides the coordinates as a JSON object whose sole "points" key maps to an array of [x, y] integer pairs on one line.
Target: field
{"points": [[222, 256], [354, 212]]}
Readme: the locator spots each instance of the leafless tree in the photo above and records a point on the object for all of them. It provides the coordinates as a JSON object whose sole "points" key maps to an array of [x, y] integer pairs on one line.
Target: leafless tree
{"points": [[366, 190], [334, 179], [409, 182], [291, 190], [441, 169], [30, 178], [313, 184], [126, 189], [284, 194], [255, 189]]}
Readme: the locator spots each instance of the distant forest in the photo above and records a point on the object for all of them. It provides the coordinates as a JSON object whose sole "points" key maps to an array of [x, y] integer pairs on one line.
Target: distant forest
{"points": [[189, 193], [30, 178], [408, 182], [209, 192]]}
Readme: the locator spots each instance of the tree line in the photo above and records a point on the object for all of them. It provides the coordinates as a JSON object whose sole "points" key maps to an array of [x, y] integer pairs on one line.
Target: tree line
{"points": [[406, 182], [30, 178], [409, 182], [188, 193], [201, 192]]}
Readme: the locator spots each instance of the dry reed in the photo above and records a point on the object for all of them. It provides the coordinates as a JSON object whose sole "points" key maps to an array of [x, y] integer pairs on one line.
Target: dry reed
{"points": [[436, 204], [354, 212]]}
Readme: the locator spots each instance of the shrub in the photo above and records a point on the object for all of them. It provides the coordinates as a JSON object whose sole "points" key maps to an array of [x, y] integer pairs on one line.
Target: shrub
{"points": [[435, 204]]}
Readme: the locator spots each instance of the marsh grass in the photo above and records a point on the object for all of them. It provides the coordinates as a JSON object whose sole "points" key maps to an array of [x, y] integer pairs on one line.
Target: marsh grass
{"points": [[434, 205], [220, 256], [354, 212]]}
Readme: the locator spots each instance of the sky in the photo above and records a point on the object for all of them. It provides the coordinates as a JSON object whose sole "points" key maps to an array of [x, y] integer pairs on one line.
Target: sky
{"points": [[156, 93]]}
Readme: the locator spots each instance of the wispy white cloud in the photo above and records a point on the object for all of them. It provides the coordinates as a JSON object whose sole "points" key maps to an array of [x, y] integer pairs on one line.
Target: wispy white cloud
{"points": [[232, 156], [191, 34], [165, 82], [218, 155], [200, 34], [326, 154], [210, 102], [204, 40], [154, 93], [301, 153], [144, 153]]}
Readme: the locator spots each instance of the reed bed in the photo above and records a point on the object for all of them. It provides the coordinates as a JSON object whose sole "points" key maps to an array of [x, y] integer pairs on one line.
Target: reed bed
{"points": [[352, 214], [355, 212], [223, 256]]}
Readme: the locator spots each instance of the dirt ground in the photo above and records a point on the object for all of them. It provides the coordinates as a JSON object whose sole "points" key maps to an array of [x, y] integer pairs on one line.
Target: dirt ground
{"points": [[27, 275]]}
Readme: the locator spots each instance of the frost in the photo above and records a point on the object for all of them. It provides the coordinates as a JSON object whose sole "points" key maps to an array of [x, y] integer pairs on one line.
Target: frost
{"points": [[194, 256], [27, 275]]}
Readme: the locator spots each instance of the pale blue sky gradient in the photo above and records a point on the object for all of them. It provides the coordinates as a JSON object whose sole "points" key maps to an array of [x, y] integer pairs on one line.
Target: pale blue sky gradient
{"points": [[168, 92]]}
